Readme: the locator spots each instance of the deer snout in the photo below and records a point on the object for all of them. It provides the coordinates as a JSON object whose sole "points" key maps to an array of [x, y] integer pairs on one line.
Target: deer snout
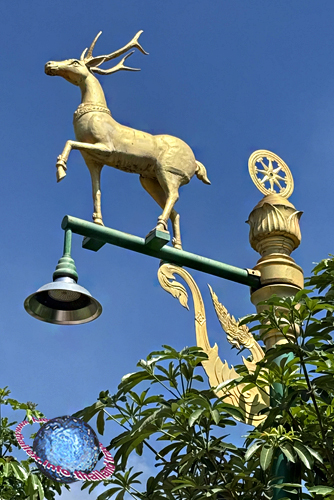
{"points": [[51, 68]]}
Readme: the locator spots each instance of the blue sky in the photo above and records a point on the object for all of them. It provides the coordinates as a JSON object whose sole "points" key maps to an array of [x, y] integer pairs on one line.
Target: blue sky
{"points": [[228, 77]]}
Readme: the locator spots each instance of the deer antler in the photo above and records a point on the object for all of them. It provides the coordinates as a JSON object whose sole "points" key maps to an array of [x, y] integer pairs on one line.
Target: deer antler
{"points": [[90, 50], [94, 62], [118, 67]]}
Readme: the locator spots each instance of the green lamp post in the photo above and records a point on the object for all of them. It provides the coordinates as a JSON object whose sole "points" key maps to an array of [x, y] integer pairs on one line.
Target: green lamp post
{"points": [[274, 222], [274, 233]]}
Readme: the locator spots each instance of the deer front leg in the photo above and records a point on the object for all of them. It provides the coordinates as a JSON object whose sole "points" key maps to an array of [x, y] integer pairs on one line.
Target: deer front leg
{"points": [[98, 148], [62, 160]]}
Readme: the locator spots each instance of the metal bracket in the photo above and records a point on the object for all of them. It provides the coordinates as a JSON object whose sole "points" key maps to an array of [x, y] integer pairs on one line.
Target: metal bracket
{"points": [[253, 272], [157, 239], [92, 244]]}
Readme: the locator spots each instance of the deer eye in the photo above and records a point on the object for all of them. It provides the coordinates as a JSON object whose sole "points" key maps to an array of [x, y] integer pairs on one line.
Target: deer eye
{"points": [[76, 63]]}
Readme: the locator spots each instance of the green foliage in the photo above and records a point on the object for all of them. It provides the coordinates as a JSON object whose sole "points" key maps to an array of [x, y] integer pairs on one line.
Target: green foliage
{"points": [[182, 424], [164, 408], [20, 480], [299, 376]]}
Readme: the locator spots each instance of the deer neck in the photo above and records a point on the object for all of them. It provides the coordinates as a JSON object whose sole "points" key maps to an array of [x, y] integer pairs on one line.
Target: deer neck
{"points": [[91, 92]]}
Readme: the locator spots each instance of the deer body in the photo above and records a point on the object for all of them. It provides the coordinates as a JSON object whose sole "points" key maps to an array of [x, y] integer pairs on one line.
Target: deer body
{"points": [[163, 162], [132, 150]]}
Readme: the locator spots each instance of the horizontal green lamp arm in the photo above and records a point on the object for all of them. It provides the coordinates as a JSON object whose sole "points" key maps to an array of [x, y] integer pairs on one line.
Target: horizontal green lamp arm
{"points": [[166, 253]]}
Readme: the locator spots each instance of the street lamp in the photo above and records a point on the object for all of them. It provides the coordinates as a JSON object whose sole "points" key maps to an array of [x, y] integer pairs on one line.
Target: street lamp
{"points": [[63, 301], [274, 233]]}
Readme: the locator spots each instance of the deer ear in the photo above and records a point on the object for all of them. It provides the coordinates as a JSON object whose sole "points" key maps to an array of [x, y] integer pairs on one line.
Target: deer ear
{"points": [[96, 61]]}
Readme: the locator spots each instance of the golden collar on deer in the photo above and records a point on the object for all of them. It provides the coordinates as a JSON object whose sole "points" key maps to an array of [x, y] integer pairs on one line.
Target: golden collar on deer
{"points": [[88, 107]]}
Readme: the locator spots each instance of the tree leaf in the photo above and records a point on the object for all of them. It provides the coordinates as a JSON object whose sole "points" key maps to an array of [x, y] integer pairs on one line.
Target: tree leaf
{"points": [[266, 456], [315, 454], [287, 449], [304, 455], [19, 471], [195, 416], [215, 416], [100, 422], [321, 490], [108, 493], [250, 452]]}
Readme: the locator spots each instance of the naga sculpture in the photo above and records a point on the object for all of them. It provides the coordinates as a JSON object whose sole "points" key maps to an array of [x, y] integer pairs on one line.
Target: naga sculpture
{"points": [[250, 400], [164, 163]]}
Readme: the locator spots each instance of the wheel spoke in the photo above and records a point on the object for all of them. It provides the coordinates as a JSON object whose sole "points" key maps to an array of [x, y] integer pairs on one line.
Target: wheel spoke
{"points": [[278, 184], [280, 178], [277, 169], [264, 179], [263, 164]]}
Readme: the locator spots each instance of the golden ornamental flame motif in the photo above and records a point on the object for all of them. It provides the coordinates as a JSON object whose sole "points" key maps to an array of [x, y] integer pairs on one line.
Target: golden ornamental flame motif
{"points": [[252, 400]]}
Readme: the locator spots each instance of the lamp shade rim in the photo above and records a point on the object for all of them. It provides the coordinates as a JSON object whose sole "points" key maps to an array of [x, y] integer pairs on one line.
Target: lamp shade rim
{"points": [[49, 305]]}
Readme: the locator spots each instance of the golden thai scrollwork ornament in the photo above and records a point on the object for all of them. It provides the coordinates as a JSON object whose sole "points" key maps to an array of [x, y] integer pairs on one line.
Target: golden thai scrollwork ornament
{"points": [[252, 400]]}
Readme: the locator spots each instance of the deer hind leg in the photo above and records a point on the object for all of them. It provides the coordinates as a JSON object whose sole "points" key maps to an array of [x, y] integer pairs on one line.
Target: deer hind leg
{"points": [[153, 187], [170, 184], [95, 173]]}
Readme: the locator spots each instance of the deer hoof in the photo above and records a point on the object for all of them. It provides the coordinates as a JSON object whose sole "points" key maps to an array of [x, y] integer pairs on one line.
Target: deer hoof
{"points": [[61, 168], [60, 173], [162, 225], [97, 220], [177, 244]]}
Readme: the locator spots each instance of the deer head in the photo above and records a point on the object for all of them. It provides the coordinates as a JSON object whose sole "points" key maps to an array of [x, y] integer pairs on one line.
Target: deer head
{"points": [[77, 70]]}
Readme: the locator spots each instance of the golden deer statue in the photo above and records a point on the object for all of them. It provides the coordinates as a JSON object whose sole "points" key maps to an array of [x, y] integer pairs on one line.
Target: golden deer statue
{"points": [[164, 163]]}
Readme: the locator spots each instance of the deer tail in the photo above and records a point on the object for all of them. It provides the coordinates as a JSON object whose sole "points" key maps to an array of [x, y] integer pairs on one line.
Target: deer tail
{"points": [[201, 172]]}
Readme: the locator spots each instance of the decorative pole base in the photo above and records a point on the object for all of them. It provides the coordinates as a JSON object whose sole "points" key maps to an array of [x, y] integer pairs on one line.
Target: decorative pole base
{"points": [[280, 267], [273, 337]]}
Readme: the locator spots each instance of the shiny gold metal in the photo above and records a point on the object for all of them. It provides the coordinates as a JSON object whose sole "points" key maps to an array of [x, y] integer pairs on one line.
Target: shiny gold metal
{"points": [[274, 233], [266, 168], [238, 336], [274, 226], [218, 372], [164, 163]]}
